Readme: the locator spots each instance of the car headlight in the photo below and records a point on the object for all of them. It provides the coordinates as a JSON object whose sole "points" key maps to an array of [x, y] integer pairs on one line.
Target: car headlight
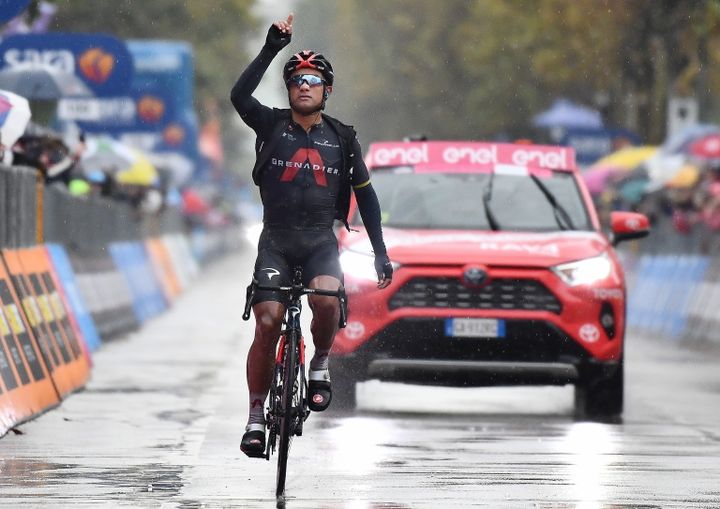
{"points": [[584, 272], [359, 265]]}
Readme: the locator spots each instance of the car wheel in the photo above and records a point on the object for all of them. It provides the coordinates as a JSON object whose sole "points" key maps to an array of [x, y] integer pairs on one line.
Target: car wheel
{"points": [[601, 395]]}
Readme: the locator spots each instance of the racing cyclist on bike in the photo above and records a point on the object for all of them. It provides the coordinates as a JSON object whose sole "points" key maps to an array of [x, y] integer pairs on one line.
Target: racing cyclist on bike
{"points": [[306, 165]]}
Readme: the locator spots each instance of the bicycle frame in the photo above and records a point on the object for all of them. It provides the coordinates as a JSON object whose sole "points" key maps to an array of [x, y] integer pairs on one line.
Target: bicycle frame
{"points": [[287, 402]]}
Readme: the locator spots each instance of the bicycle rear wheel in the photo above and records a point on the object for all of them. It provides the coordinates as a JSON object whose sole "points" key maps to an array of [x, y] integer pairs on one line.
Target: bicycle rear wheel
{"points": [[287, 409]]}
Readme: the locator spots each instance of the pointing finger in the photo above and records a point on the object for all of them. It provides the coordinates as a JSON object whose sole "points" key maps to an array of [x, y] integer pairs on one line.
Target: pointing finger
{"points": [[290, 19]]}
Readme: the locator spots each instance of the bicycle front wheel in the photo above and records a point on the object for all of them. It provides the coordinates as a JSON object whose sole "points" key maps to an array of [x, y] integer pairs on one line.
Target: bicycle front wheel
{"points": [[287, 408]]}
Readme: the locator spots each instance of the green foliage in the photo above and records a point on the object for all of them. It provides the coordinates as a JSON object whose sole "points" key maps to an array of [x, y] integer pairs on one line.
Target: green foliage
{"points": [[477, 69]]}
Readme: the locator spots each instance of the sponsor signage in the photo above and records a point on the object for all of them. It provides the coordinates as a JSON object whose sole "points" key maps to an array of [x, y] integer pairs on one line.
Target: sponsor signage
{"points": [[11, 8], [102, 62], [141, 110], [470, 154]]}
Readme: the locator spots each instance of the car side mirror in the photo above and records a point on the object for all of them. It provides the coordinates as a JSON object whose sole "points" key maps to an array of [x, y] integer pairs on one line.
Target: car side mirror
{"points": [[628, 226]]}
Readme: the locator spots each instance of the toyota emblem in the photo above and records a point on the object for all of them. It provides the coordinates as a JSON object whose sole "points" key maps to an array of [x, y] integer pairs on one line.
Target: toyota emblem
{"points": [[475, 276]]}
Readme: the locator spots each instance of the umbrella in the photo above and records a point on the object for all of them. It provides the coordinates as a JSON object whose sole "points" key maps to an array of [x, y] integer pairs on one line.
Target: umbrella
{"points": [[130, 166], [687, 176], [679, 141], [42, 82], [564, 113], [706, 148], [597, 179], [177, 166], [613, 165], [14, 117], [140, 173], [107, 153], [626, 158], [662, 167]]}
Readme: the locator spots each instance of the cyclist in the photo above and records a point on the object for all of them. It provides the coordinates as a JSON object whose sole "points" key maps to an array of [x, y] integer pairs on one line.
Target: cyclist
{"points": [[306, 164]]}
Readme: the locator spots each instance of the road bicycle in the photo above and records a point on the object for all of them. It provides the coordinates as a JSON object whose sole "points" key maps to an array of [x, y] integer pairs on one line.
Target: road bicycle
{"points": [[287, 401]]}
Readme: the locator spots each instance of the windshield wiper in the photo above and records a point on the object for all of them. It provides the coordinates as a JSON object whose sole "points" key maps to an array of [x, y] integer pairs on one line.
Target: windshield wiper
{"points": [[487, 195], [561, 215]]}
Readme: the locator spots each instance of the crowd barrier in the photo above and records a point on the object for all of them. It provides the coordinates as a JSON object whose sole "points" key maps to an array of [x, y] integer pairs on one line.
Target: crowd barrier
{"points": [[99, 271], [18, 206], [674, 296]]}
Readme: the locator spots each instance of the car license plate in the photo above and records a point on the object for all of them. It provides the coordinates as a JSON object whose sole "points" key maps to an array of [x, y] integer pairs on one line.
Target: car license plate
{"points": [[475, 327]]}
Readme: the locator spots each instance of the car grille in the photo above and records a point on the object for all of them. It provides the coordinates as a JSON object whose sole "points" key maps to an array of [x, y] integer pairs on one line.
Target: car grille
{"points": [[447, 292]]}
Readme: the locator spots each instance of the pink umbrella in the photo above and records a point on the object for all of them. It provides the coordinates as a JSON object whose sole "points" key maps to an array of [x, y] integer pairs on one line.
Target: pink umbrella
{"points": [[597, 178]]}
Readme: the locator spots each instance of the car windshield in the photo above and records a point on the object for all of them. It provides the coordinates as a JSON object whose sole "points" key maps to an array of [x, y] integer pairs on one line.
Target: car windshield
{"points": [[455, 201]]}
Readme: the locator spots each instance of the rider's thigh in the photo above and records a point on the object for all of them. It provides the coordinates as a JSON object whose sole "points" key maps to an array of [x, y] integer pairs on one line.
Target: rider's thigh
{"points": [[268, 320], [322, 303]]}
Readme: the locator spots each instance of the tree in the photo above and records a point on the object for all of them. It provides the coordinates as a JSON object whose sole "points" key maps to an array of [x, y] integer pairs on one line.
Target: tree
{"points": [[479, 69]]}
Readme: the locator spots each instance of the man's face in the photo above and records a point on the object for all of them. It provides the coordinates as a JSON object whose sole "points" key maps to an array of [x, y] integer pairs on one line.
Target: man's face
{"points": [[305, 98]]}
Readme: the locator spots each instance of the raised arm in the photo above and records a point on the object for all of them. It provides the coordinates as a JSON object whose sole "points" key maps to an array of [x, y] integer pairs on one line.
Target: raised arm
{"points": [[249, 108]]}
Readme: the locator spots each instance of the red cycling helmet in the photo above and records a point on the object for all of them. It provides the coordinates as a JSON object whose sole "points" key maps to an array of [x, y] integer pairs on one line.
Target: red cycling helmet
{"points": [[308, 59]]}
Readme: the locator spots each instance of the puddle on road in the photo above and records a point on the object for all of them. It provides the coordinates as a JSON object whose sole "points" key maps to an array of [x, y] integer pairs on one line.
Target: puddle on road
{"points": [[32, 478]]}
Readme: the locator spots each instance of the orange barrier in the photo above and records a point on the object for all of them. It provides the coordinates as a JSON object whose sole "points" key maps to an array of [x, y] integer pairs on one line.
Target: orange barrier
{"points": [[26, 386], [68, 363], [164, 269]]}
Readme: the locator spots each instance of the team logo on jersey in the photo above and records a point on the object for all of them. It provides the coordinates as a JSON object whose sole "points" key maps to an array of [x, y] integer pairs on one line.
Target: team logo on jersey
{"points": [[271, 273], [306, 159]]}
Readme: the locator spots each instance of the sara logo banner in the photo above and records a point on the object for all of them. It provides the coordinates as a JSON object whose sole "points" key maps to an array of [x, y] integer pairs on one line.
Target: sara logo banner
{"points": [[101, 61], [11, 8]]}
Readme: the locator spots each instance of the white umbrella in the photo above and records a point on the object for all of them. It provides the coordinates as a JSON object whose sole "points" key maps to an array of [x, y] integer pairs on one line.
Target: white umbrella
{"points": [[179, 167], [14, 117]]}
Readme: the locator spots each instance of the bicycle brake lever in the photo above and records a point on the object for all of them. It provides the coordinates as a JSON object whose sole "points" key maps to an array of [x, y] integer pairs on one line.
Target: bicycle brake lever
{"points": [[249, 295], [343, 309]]}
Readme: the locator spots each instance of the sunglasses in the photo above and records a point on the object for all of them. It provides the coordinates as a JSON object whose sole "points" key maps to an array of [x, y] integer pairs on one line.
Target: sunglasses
{"points": [[310, 79]]}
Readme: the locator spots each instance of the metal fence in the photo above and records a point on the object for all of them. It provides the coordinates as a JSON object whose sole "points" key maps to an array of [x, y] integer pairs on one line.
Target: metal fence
{"points": [[85, 225], [18, 206]]}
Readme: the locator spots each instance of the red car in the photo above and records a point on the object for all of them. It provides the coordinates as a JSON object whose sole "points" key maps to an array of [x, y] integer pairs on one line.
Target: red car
{"points": [[502, 275]]}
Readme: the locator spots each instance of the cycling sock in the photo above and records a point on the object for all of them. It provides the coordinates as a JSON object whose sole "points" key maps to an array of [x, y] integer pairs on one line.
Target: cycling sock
{"points": [[320, 361], [257, 409]]}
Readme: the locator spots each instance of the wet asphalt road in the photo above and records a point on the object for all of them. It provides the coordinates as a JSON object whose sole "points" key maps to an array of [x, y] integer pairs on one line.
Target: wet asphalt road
{"points": [[160, 423]]}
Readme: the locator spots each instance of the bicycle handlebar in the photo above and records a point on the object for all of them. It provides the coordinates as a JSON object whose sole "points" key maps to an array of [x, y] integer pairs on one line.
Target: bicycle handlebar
{"points": [[299, 291]]}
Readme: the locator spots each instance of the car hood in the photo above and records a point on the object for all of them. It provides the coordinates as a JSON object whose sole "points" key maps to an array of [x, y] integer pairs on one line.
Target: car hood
{"points": [[459, 247]]}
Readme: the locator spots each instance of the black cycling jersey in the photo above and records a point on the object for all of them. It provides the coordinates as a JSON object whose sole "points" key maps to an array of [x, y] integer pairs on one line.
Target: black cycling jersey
{"points": [[300, 185]]}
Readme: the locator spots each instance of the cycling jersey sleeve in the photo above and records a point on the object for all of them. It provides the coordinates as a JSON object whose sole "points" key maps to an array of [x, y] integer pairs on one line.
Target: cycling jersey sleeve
{"points": [[360, 176], [369, 207], [258, 116]]}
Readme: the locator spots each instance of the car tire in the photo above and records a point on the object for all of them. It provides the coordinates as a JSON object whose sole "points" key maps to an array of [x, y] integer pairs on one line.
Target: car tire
{"points": [[601, 395]]}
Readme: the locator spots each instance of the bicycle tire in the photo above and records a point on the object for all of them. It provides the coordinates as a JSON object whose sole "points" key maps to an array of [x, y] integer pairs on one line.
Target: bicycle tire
{"points": [[287, 411]]}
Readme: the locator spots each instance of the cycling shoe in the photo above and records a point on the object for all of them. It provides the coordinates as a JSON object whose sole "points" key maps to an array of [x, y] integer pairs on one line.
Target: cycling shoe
{"points": [[319, 390], [253, 441]]}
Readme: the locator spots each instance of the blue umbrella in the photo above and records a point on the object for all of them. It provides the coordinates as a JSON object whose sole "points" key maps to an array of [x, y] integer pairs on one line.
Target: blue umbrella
{"points": [[566, 114]]}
